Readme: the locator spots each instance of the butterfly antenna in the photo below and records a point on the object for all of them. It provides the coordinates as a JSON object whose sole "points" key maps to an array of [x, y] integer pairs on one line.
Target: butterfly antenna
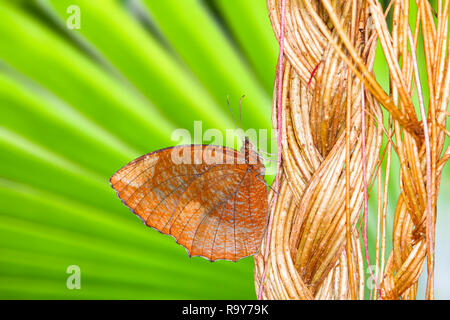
{"points": [[240, 110], [267, 153], [232, 115]]}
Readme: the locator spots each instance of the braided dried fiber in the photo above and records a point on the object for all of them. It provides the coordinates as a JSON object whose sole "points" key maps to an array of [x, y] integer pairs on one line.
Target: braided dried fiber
{"points": [[328, 89], [307, 256]]}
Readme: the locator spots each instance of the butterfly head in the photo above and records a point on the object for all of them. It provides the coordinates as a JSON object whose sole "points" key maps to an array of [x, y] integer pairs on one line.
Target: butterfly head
{"points": [[252, 157]]}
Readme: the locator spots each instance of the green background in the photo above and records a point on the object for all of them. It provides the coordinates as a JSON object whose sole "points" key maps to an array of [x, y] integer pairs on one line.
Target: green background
{"points": [[76, 105]]}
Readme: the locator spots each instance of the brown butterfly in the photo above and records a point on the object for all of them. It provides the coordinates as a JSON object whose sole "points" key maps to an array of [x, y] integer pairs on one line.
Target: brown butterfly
{"points": [[211, 199]]}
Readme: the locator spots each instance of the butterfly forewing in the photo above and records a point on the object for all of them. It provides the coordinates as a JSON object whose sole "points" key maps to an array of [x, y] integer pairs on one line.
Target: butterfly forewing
{"points": [[212, 202]]}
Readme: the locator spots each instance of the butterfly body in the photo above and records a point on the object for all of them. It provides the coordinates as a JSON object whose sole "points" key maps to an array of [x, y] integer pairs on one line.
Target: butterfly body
{"points": [[211, 199]]}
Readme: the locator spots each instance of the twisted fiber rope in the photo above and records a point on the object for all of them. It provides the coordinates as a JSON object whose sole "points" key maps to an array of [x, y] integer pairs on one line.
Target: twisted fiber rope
{"points": [[307, 257], [407, 260]]}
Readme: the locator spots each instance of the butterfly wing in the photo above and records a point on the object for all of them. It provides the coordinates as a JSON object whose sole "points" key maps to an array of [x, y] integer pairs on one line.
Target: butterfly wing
{"points": [[206, 197]]}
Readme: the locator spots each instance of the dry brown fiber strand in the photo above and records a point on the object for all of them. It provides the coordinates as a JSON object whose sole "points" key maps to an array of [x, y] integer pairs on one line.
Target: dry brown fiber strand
{"points": [[308, 256]]}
